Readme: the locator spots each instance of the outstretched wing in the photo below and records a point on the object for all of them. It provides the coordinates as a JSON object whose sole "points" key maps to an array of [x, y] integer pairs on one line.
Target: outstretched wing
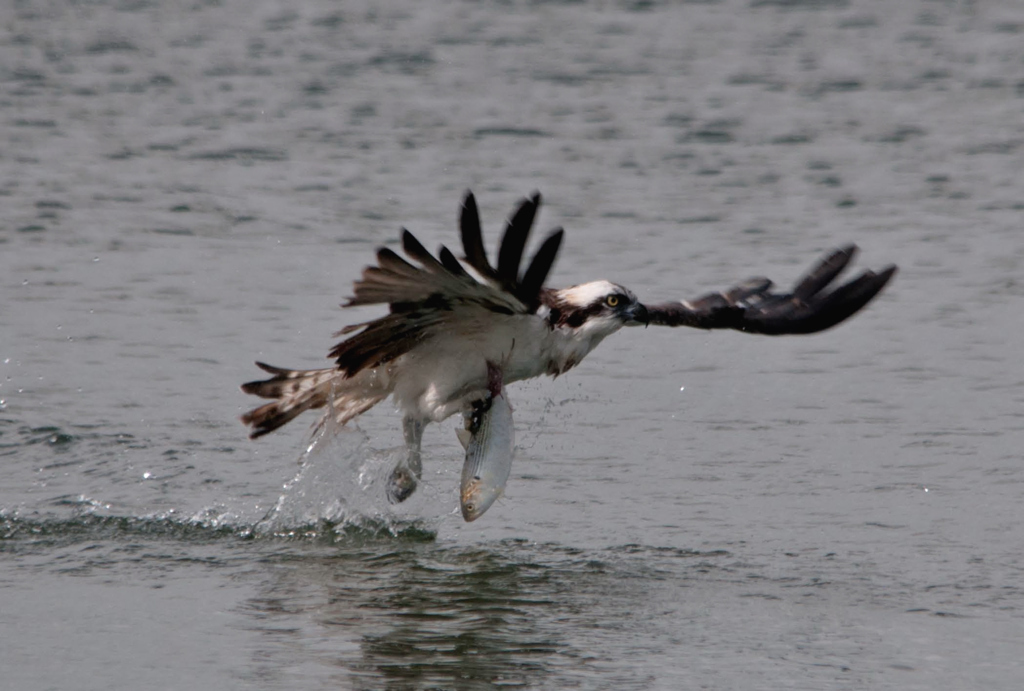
{"points": [[751, 306], [428, 293]]}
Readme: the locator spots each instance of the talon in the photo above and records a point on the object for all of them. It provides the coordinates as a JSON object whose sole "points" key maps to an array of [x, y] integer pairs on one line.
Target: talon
{"points": [[401, 485]]}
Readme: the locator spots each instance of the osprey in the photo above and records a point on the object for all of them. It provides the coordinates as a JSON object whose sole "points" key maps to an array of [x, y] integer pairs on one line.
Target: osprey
{"points": [[431, 351]]}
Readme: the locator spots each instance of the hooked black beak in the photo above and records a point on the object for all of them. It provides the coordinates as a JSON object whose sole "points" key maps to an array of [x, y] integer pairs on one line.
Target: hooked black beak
{"points": [[637, 315]]}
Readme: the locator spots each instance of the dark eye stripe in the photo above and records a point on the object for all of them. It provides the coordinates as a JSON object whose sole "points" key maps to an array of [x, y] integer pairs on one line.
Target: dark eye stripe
{"points": [[566, 315]]}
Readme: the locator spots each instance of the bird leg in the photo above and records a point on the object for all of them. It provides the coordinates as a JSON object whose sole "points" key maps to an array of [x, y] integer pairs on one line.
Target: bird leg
{"points": [[407, 473]]}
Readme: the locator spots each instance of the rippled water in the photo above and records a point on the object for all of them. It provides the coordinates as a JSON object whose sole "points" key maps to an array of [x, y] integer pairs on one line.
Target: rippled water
{"points": [[191, 186]]}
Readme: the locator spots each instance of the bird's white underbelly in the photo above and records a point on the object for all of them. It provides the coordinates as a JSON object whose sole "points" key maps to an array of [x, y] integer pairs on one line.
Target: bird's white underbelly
{"points": [[446, 374]]}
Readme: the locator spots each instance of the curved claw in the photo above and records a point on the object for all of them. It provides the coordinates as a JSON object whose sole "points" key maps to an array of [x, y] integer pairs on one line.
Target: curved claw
{"points": [[401, 485]]}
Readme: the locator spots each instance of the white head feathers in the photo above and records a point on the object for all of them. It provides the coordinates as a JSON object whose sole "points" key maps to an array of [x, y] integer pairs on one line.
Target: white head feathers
{"points": [[586, 294]]}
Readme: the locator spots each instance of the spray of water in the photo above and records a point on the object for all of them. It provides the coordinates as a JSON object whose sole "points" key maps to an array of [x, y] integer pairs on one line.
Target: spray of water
{"points": [[340, 487]]}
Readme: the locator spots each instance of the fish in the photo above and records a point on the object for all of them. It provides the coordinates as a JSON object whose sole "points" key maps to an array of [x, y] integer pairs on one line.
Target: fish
{"points": [[490, 442]]}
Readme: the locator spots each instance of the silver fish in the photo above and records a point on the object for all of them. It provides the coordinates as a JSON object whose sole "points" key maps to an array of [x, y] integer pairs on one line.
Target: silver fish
{"points": [[489, 449]]}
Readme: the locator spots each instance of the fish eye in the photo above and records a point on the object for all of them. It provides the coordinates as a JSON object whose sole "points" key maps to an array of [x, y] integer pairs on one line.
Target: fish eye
{"points": [[612, 300]]}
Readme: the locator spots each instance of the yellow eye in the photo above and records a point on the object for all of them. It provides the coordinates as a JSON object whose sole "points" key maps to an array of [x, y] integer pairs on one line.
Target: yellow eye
{"points": [[612, 300]]}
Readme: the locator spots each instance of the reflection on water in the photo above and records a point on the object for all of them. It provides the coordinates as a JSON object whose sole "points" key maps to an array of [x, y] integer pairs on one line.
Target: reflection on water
{"points": [[424, 615], [453, 617], [372, 604], [369, 607]]}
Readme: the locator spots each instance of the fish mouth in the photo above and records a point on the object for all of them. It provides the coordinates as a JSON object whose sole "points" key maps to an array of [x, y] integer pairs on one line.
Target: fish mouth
{"points": [[470, 501], [472, 510], [475, 502], [469, 513]]}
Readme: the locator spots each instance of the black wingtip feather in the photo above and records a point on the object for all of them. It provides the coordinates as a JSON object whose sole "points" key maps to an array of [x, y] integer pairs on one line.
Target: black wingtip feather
{"points": [[809, 308], [824, 272], [823, 311], [847, 300], [449, 262], [472, 237], [415, 249], [388, 259], [514, 241], [540, 266]]}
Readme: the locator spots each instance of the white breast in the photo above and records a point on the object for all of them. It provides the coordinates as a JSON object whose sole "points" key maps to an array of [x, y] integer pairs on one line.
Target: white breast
{"points": [[448, 372]]}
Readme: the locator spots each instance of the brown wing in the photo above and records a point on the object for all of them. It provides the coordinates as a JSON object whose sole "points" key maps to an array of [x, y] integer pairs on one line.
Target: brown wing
{"points": [[426, 294], [752, 307]]}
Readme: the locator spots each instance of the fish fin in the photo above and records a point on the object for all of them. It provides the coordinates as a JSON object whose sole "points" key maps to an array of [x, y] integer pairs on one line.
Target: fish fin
{"points": [[464, 436]]}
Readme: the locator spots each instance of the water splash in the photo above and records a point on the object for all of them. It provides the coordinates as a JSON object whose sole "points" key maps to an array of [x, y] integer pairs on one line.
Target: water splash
{"points": [[341, 486]]}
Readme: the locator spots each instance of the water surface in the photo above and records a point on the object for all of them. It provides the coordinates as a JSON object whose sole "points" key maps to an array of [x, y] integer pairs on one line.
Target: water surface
{"points": [[188, 187]]}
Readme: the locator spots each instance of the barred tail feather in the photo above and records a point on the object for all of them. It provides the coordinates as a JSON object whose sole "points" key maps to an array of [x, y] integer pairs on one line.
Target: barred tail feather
{"points": [[345, 407], [297, 391]]}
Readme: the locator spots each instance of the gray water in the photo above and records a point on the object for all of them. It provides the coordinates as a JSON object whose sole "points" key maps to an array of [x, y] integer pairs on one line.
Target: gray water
{"points": [[191, 186]]}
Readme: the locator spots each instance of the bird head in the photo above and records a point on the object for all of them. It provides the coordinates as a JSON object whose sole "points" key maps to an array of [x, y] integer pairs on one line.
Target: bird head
{"points": [[598, 308]]}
